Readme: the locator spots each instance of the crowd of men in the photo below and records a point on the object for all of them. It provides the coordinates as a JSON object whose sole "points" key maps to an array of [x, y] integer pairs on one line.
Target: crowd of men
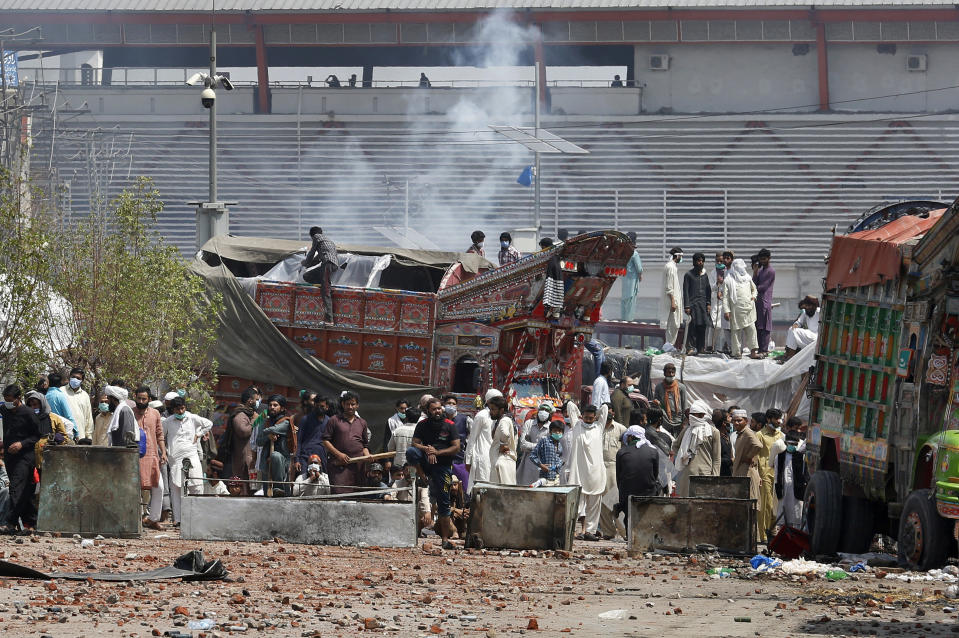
{"points": [[728, 308], [618, 442]]}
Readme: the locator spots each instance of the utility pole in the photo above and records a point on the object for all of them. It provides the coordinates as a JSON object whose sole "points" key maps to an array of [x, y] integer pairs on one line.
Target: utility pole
{"points": [[536, 170]]}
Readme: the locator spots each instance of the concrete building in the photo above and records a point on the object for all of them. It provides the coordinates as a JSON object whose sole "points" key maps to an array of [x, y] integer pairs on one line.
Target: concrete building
{"points": [[741, 124]]}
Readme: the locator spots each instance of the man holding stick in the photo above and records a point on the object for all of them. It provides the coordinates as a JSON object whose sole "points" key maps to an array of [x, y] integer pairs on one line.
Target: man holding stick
{"points": [[346, 436]]}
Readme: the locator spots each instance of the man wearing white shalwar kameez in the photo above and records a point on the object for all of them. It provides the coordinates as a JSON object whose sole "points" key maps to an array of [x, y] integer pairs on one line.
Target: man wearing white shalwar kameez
{"points": [[739, 307], [586, 466], [671, 304], [502, 451], [719, 325], [182, 431], [477, 447], [805, 329], [534, 429], [790, 477]]}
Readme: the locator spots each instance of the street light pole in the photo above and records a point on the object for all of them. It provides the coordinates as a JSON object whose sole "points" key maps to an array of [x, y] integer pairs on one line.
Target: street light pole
{"points": [[212, 175]]}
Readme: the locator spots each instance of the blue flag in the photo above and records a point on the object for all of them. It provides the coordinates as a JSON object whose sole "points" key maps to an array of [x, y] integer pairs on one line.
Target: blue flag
{"points": [[526, 177]]}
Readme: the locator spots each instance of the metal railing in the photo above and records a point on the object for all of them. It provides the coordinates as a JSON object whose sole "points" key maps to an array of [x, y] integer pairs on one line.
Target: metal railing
{"points": [[151, 76]]}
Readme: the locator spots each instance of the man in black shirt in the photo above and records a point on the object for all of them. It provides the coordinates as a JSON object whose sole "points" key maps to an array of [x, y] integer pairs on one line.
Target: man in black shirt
{"points": [[21, 431], [435, 442], [637, 469]]}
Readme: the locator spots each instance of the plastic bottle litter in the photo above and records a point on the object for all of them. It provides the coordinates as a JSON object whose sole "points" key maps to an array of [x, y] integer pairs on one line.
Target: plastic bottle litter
{"points": [[87, 542], [204, 624], [836, 574], [719, 570], [859, 567]]}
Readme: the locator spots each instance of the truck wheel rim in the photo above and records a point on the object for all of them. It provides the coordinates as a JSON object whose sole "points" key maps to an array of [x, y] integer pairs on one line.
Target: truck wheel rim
{"points": [[912, 539]]}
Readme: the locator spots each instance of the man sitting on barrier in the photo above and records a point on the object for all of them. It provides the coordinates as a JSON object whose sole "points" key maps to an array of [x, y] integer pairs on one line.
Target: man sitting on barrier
{"points": [[435, 443]]}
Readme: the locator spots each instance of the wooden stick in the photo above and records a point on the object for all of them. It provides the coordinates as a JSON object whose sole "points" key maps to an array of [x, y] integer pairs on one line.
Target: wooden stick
{"points": [[372, 457]]}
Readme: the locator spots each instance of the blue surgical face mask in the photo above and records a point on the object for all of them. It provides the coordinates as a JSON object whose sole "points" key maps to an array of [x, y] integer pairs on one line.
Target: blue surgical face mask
{"points": [[179, 417], [791, 449], [504, 245], [720, 266], [556, 436], [401, 415], [36, 410], [631, 388], [104, 407], [449, 410], [75, 383]]}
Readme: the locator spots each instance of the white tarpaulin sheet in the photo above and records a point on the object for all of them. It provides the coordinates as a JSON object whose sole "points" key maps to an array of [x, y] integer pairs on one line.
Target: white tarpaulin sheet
{"points": [[753, 385]]}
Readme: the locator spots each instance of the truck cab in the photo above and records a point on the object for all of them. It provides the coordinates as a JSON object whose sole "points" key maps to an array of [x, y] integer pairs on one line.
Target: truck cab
{"points": [[883, 448]]}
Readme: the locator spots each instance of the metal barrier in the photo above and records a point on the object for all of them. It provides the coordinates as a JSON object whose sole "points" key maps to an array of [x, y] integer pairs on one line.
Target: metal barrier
{"points": [[683, 524], [514, 517], [719, 487]]}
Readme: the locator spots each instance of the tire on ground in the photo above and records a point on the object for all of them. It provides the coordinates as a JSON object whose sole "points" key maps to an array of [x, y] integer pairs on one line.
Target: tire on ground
{"points": [[924, 536], [858, 525], [822, 512]]}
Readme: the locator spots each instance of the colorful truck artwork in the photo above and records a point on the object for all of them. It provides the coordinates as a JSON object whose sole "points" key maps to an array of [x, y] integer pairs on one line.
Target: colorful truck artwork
{"points": [[883, 444], [464, 332]]}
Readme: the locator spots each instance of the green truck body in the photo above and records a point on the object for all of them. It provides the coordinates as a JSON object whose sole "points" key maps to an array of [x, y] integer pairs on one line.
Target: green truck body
{"points": [[883, 445]]}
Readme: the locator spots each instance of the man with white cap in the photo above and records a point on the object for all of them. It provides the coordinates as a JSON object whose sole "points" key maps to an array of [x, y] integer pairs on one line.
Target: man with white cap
{"points": [[637, 469], [697, 450], [746, 458], [481, 439], [123, 424], [182, 430], [169, 396]]}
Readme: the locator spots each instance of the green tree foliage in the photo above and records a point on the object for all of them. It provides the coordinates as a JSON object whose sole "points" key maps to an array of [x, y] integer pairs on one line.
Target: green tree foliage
{"points": [[29, 326], [138, 313]]}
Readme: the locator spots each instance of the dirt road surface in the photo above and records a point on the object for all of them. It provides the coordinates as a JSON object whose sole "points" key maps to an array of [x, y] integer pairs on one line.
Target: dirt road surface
{"points": [[286, 590]]}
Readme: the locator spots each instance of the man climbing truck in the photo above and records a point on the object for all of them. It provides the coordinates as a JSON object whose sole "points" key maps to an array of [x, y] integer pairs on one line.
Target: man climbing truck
{"points": [[884, 416]]}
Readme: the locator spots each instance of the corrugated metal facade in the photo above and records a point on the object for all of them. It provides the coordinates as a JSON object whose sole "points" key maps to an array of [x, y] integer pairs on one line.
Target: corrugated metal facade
{"points": [[702, 184]]}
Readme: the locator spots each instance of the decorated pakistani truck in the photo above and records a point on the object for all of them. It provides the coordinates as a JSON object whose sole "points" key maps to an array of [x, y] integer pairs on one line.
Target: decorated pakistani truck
{"points": [[883, 448]]}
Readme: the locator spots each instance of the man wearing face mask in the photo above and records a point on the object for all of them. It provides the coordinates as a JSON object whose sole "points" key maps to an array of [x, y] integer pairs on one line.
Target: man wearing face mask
{"points": [[547, 456], [586, 466], [21, 431], [746, 457], [182, 430], [399, 417], [151, 423], [805, 329], [507, 252], [477, 237], [123, 429], [696, 296], [534, 431], [622, 404], [310, 438], [789, 470], [101, 422], [698, 450], [767, 436], [671, 306], [502, 450], [58, 401], [671, 397], [462, 423], [80, 406]]}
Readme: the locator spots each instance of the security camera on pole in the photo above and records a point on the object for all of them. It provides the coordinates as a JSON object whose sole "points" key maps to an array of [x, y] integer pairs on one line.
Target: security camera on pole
{"points": [[212, 216]]}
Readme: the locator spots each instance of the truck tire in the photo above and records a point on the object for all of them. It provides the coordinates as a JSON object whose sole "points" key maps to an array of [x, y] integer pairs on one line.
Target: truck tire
{"points": [[822, 512], [924, 536], [858, 525]]}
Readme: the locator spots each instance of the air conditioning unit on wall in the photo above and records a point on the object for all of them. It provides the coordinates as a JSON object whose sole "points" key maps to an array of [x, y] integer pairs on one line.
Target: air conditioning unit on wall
{"points": [[916, 63], [659, 62]]}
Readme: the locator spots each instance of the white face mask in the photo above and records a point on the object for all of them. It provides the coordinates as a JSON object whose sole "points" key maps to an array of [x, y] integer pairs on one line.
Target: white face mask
{"points": [[449, 410], [8, 405], [75, 383], [542, 415]]}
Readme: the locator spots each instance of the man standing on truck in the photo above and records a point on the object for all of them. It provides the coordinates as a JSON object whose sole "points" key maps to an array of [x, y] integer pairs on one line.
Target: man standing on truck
{"points": [[671, 305], [805, 329], [320, 263], [764, 277], [696, 297], [634, 275], [767, 436]]}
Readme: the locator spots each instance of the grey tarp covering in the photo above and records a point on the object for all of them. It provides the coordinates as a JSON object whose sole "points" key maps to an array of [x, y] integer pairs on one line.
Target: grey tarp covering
{"points": [[267, 251], [190, 566], [249, 346]]}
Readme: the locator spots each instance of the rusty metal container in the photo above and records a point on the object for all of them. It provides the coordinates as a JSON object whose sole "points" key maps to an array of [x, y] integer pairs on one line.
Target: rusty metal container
{"points": [[514, 517], [719, 486], [682, 524], [90, 490]]}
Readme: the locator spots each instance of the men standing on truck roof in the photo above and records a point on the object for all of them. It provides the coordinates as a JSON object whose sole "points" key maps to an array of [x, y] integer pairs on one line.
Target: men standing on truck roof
{"points": [[671, 304], [764, 277], [320, 263], [767, 436], [739, 308], [634, 275], [477, 237], [696, 298], [805, 329]]}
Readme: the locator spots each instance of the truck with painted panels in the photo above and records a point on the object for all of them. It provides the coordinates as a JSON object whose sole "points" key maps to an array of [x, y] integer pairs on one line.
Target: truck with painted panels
{"points": [[883, 446]]}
